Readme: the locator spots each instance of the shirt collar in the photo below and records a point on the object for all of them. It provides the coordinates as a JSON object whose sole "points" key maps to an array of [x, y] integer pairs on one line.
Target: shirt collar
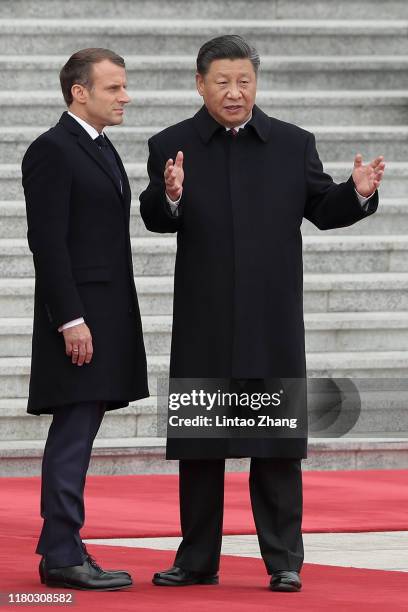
{"points": [[207, 126], [89, 128], [240, 127]]}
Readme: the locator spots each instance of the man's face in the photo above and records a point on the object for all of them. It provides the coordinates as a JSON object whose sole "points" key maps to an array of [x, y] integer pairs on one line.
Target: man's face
{"points": [[104, 102], [228, 90]]}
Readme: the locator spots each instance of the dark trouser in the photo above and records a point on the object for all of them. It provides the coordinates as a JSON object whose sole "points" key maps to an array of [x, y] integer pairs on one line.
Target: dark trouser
{"points": [[65, 463], [276, 497]]}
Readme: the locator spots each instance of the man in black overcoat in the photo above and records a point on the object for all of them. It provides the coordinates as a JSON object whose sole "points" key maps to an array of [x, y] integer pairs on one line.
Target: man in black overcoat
{"points": [[87, 353], [235, 185]]}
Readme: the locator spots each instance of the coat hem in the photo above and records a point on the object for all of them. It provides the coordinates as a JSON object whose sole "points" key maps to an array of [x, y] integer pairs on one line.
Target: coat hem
{"points": [[112, 404]]}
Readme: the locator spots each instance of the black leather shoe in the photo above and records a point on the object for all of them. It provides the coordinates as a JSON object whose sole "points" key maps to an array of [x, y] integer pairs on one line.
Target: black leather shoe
{"points": [[93, 561], [86, 577], [41, 567], [176, 576], [286, 581]]}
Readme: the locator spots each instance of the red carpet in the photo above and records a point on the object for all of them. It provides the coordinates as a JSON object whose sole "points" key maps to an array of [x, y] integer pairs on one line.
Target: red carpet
{"points": [[143, 506], [242, 587]]}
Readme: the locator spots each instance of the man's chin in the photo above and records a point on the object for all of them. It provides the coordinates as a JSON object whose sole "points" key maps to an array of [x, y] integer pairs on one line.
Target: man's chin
{"points": [[116, 120], [234, 119]]}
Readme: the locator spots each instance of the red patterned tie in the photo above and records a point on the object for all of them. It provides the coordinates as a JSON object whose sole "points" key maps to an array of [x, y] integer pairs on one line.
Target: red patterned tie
{"points": [[234, 132]]}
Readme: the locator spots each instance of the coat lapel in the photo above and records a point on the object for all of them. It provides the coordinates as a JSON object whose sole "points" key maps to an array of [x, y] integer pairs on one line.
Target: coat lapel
{"points": [[207, 126], [92, 149], [87, 144], [125, 180]]}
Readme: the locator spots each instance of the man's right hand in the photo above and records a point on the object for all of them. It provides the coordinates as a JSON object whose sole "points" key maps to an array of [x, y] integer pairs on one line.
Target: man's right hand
{"points": [[174, 177], [78, 344]]}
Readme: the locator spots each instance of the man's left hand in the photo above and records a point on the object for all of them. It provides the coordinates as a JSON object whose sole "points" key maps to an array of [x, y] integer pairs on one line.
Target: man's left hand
{"points": [[367, 177]]}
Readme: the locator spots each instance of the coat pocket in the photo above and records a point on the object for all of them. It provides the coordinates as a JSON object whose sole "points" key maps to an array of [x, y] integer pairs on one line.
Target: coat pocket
{"points": [[92, 274]]}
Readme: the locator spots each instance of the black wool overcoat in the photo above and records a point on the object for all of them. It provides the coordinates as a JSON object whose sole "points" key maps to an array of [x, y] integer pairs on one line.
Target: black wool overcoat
{"points": [[78, 232], [238, 288]]}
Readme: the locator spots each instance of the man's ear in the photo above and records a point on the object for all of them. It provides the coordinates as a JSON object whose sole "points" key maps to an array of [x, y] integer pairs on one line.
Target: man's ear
{"points": [[199, 83], [79, 93]]}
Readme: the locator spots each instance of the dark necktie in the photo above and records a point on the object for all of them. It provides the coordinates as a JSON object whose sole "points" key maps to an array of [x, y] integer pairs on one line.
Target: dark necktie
{"points": [[110, 158], [233, 132]]}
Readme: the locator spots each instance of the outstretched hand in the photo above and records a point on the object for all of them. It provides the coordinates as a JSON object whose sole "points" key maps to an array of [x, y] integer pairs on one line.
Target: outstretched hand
{"points": [[367, 177], [174, 177]]}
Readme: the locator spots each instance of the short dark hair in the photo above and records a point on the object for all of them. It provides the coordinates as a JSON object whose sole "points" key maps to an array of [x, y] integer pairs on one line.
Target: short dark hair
{"points": [[230, 46], [78, 69]]}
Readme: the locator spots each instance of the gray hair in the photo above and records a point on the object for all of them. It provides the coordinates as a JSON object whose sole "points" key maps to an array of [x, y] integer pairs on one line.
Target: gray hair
{"points": [[230, 46]]}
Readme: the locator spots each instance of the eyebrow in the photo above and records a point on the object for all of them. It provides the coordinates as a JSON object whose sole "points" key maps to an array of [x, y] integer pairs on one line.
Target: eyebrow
{"points": [[223, 75]]}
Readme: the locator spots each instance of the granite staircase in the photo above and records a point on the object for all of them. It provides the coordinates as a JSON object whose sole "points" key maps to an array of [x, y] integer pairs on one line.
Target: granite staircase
{"points": [[336, 67]]}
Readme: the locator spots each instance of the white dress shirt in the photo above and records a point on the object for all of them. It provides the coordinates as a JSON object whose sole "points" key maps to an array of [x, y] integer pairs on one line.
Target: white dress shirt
{"points": [[89, 128]]}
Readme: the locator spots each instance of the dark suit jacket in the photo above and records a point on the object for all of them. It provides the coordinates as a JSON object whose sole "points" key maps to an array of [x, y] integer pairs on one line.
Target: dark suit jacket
{"points": [[238, 298], [78, 232]]}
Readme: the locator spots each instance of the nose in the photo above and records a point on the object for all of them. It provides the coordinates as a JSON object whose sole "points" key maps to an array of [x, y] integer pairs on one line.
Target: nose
{"points": [[234, 92], [124, 98]]}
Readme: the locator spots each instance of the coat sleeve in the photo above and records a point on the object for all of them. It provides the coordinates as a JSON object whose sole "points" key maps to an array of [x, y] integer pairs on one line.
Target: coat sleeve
{"points": [[154, 208], [330, 205], [47, 184]]}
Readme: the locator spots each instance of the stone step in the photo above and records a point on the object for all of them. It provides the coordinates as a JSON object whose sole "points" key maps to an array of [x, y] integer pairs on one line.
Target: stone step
{"points": [[390, 218], [138, 419], [14, 371], [338, 143], [364, 364], [333, 143], [331, 332], [155, 295], [394, 184], [354, 107], [15, 335], [164, 36], [211, 9], [321, 254], [382, 412], [322, 293], [28, 72], [356, 331], [352, 292], [114, 456]]}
